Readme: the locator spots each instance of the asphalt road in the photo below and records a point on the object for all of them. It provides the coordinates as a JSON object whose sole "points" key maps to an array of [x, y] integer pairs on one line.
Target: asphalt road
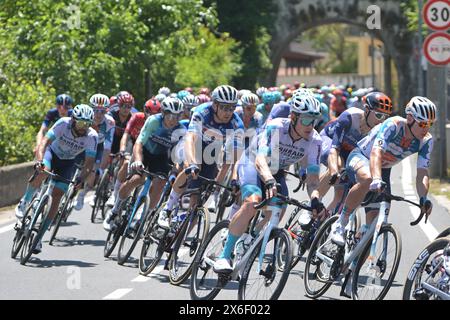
{"points": [[74, 267]]}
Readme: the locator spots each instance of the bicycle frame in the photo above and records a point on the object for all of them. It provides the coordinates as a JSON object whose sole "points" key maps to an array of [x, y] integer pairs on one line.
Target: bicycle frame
{"points": [[142, 194]]}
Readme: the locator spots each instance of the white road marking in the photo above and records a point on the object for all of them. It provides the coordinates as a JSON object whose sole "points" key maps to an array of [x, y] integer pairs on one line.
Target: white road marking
{"points": [[119, 293], [7, 228], [155, 271], [429, 230]]}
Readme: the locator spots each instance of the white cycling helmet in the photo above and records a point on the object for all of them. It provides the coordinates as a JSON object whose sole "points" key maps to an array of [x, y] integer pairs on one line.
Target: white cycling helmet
{"points": [[421, 109], [99, 100], [242, 92], [260, 91], [173, 105], [249, 99], [303, 91], [160, 97], [305, 105], [164, 90], [225, 94], [83, 112], [190, 101]]}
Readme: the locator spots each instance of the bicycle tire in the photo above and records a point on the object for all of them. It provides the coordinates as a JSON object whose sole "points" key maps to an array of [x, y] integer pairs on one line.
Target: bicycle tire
{"points": [[221, 207], [363, 257], [59, 217], [27, 247], [420, 263], [198, 267], [174, 278], [145, 268], [318, 240], [123, 257], [19, 236], [114, 235], [99, 195], [283, 236]]}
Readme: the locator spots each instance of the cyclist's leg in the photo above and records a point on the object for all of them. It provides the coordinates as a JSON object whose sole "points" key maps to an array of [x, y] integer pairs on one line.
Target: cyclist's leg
{"points": [[90, 180], [372, 209]]}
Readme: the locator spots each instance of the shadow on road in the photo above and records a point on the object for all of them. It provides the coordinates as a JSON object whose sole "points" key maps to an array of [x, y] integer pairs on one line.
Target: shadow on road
{"points": [[38, 263], [70, 242]]}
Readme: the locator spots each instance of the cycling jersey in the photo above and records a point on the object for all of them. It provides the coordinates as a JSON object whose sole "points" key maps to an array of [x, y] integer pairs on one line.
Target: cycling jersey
{"points": [[390, 137], [105, 131], [280, 110], [344, 131], [156, 138], [261, 108], [52, 116], [203, 124], [135, 125], [119, 129], [66, 146], [276, 144]]}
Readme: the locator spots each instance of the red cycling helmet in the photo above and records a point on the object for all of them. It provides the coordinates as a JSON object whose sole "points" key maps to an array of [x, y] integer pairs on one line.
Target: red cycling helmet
{"points": [[152, 106], [202, 98], [125, 99], [112, 100], [204, 90], [189, 89]]}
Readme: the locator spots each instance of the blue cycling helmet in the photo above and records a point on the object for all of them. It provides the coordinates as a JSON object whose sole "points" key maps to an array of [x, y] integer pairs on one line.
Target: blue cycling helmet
{"points": [[269, 98], [64, 100], [318, 96], [181, 94]]}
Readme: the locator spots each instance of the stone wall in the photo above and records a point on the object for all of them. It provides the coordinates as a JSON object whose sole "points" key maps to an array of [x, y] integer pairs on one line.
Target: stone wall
{"points": [[13, 182]]}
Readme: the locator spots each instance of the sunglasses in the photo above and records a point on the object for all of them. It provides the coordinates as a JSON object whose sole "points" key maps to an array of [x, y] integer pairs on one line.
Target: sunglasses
{"points": [[227, 107], [424, 124], [380, 115], [99, 110], [308, 121], [172, 116], [67, 107], [82, 124], [125, 106]]}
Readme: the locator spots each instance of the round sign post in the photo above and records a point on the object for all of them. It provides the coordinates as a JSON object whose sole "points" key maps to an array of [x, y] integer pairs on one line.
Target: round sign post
{"points": [[436, 14], [437, 48]]}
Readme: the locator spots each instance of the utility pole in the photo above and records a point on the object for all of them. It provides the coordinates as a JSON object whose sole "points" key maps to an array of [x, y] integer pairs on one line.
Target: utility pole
{"points": [[419, 49]]}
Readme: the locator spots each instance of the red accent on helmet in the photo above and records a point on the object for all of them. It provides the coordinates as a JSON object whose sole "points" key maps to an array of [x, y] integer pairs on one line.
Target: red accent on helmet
{"points": [[152, 106], [337, 92], [112, 100], [126, 99], [287, 93], [202, 98], [296, 84], [189, 89]]}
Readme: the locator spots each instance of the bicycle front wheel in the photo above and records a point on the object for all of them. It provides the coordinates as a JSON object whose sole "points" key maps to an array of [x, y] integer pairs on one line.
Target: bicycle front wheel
{"points": [[189, 240], [427, 269], [267, 282], [100, 195], [62, 212], [373, 283], [19, 237]]}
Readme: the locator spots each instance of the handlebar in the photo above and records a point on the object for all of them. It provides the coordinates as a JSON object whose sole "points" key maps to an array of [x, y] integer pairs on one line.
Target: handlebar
{"points": [[301, 180], [159, 175], [283, 199], [373, 195]]}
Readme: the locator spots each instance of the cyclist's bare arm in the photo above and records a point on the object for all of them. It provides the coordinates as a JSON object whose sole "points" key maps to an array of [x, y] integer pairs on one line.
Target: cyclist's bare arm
{"points": [[105, 159], [263, 168], [333, 158], [422, 182], [87, 169], [41, 148], [124, 141], [189, 145], [41, 134], [376, 156], [138, 151], [312, 185]]}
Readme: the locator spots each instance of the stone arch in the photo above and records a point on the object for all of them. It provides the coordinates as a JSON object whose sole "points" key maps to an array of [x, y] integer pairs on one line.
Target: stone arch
{"points": [[296, 16]]}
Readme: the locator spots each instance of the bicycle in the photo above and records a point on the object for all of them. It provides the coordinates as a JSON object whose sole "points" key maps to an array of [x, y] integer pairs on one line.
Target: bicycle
{"points": [[66, 204], [263, 252], [429, 276], [122, 221], [330, 261], [182, 239], [105, 187], [33, 232], [138, 207]]}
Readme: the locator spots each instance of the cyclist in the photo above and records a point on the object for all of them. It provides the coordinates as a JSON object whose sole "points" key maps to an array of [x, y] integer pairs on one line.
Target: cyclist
{"points": [[342, 135], [68, 137], [283, 142], [268, 100], [203, 98], [260, 91], [189, 102], [104, 125], [386, 145], [164, 90], [159, 134], [338, 103], [121, 115], [63, 109], [214, 127], [134, 126]]}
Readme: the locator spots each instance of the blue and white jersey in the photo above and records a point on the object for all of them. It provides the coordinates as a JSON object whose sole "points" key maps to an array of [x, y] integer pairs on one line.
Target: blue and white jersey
{"points": [[276, 144], [203, 125], [156, 138], [105, 131], [390, 137], [66, 146], [280, 110]]}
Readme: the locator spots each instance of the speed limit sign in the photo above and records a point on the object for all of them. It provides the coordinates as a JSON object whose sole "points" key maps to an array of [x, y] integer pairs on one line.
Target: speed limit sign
{"points": [[436, 14]]}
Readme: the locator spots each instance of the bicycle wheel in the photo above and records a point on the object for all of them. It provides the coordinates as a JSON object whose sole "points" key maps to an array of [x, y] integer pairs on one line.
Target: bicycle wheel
{"points": [[34, 233], [204, 281], [120, 221], [317, 275], [269, 282], [19, 236], [100, 195], [428, 271], [62, 212], [223, 204], [130, 236], [374, 283], [153, 243], [189, 240]]}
